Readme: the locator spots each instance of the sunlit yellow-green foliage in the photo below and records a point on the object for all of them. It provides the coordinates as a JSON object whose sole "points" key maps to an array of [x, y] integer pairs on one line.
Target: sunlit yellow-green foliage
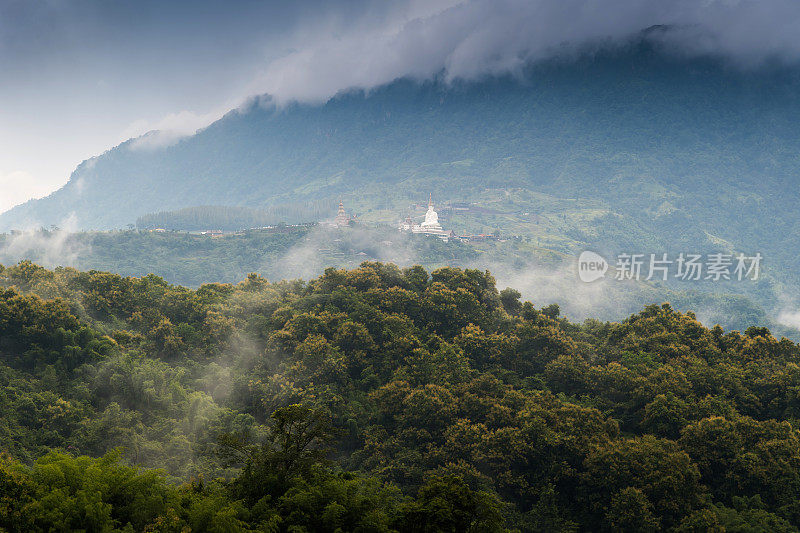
{"points": [[380, 399]]}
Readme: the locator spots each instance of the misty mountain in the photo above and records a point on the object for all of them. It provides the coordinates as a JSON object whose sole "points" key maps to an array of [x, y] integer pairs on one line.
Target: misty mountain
{"points": [[623, 149]]}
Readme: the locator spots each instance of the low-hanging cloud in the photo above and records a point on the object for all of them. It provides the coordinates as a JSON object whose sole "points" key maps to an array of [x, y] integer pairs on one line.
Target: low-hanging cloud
{"points": [[170, 129], [471, 39], [324, 247], [476, 38], [59, 246]]}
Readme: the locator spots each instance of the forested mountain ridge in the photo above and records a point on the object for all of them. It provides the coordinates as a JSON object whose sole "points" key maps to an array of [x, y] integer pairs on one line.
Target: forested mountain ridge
{"points": [[380, 399]]}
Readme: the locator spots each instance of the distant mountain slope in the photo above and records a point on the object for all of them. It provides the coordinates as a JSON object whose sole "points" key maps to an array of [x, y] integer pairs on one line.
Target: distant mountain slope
{"points": [[652, 127], [654, 151]]}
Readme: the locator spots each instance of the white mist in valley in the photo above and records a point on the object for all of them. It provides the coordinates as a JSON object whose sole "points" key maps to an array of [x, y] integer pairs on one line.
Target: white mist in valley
{"points": [[51, 248]]}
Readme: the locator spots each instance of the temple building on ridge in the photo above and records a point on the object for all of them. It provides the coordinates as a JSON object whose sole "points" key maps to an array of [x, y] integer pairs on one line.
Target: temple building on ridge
{"points": [[342, 218], [430, 226]]}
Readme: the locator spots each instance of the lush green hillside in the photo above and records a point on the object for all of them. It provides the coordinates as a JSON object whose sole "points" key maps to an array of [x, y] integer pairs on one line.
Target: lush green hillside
{"points": [[380, 399]]}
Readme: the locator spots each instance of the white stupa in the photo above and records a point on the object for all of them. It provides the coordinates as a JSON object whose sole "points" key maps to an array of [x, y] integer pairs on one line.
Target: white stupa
{"points": [[430, 226], [431, 217]]}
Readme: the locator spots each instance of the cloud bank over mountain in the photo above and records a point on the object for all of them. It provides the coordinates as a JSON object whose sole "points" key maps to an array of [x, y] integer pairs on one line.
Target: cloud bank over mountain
{"points": [[467, 40], [471, 39]]}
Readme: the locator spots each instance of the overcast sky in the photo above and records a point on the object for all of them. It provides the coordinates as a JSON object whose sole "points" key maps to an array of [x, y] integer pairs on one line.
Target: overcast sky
{"points": [[78, 77]]}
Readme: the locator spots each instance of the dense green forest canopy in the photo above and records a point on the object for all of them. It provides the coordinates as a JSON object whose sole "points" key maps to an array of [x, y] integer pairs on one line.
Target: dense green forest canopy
{"points": [[381, 399]]}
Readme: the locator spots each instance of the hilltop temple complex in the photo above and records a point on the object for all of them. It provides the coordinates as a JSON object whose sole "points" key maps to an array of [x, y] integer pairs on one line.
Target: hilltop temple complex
{"points": [[430, 226], [342, 218]]}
